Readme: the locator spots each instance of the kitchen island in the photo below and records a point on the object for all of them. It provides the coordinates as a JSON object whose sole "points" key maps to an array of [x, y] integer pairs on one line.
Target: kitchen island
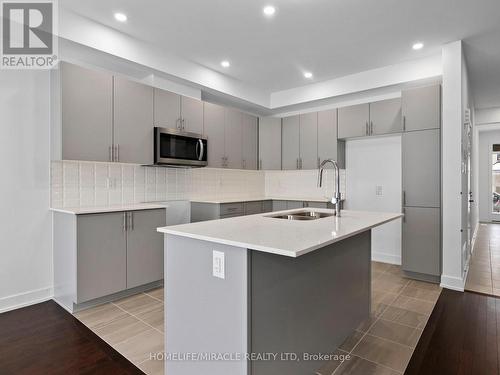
{"points": [[262, 294]]}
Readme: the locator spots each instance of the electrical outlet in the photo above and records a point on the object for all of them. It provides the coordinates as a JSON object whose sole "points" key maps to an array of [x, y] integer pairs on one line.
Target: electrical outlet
{"points": [[218, 266], [378, 190]]}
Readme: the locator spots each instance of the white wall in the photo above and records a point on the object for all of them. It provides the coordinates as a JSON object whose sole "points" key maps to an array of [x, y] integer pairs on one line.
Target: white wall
{"points": [[25, 221], [455, 98], [370, 163]]}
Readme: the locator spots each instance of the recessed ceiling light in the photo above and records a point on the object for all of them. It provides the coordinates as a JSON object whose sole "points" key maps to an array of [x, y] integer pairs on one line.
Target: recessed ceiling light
{"points": [[308, 74], [225, 64], [418, 45], [120, 17], [269, 10]]}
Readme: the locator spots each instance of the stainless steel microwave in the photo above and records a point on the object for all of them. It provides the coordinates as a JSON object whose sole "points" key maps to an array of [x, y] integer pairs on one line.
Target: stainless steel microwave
{"points": [[178, 148]]}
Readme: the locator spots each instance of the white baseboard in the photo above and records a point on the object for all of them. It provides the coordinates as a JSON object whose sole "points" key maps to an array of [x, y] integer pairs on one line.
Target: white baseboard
{"points": [[386, 258], [32, 297], [452, 282]]}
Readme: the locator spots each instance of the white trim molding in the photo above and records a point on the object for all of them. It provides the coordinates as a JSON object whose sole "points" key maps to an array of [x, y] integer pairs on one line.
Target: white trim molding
{"points": [[453, 283], [31, 297], [386, 258]]}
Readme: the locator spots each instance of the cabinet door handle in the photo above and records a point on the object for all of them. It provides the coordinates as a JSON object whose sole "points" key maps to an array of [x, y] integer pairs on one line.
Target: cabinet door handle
{"points": [[371, 127], [297, 163], [300, 163], [183, 121], [117, 152], [404, 198], [404, 123], [110, 153], [124, 223], [366, 128], [404, 215], [132, 224]]}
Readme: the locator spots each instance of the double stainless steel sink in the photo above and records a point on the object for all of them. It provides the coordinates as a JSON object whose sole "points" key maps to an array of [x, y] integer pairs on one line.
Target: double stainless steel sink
{"points": [[302, 215]]}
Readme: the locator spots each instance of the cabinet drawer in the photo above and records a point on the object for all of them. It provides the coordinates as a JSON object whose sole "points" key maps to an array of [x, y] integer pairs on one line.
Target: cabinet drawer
{"points": [[267, 206], [252, 208], [231, 208]]}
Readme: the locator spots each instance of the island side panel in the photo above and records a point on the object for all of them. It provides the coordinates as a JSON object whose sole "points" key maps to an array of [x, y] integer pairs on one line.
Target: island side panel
{"points": [[205, 314], [308, 304]]}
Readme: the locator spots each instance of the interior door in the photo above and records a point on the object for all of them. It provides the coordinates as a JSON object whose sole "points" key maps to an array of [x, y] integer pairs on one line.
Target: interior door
{"points": [[495, 181]]}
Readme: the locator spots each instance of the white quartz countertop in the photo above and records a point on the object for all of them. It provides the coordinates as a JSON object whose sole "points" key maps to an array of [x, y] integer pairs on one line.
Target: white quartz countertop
{"points": [[291, 238], [254, 199], [119, 208]]}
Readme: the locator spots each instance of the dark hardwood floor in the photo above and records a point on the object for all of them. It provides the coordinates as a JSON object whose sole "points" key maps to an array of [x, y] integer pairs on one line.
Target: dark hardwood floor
{"points": [[461, 337], [46, 339]]}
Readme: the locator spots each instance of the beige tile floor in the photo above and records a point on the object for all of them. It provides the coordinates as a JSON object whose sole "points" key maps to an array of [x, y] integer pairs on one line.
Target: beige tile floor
{"points": [[484, 267], [383, 344], [134, 326]]}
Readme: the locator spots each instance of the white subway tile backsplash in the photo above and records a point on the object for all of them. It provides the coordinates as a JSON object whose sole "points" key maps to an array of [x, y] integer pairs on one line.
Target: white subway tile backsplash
{"points": [[80, 184]]}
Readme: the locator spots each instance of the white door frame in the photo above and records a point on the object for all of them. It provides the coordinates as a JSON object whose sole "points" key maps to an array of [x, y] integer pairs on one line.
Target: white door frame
{"points": [[494, 216]]}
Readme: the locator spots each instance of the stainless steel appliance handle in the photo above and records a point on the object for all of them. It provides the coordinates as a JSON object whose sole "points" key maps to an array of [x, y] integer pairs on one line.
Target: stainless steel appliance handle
{"points": [[124, 224], [197, 149], [202, 146]]}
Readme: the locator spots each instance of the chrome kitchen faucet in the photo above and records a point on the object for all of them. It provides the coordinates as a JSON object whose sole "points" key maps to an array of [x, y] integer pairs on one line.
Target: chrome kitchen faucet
{"points": [[337, 197]]}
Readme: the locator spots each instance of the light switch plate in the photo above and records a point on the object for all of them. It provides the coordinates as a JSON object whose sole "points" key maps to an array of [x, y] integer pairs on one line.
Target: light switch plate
{"points": [[218, 266]]}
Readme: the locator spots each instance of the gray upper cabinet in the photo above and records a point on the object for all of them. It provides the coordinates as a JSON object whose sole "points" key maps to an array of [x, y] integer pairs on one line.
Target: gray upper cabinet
{"points": [[328, 146], [421, 168], [421, 242], [270, 143], [144, 247], [308, 141], [353, 121], [167, 109], [133, 122], [233, 138], [385, 117], [290, 144], [87, 113], [213, 129], [249, 131], [101, 255], [421, 108], [192, 115]]}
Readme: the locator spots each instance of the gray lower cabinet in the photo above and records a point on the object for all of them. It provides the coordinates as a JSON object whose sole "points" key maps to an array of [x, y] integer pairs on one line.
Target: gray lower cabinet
{"points": [[133, 122], [117, 251], [422, 241], [385, 117], [421, 168], [421, 108], [269, 143], [252, 208], [279, 205], [290, 143], [353, 121], [87, 113], [101, 255], [144, 247]]}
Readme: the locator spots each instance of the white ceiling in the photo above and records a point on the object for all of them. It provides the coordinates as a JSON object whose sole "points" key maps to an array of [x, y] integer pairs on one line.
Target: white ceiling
{"points": [[331, 38]]}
